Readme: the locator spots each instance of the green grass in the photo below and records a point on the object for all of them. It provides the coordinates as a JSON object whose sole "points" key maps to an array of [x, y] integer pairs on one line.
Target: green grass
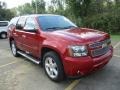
{"points": [[115, 37]]}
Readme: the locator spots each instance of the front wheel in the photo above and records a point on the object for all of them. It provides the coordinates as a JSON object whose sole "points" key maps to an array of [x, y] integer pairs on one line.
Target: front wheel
{"points": [[13, 48], [53, 66]]}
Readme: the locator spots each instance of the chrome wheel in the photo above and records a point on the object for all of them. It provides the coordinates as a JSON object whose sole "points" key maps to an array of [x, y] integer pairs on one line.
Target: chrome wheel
{"points": [[13, 48], [51, 67]]}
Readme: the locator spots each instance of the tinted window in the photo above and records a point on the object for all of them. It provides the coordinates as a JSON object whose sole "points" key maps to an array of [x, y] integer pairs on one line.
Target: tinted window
{"points": [[3, 24], [14, 21], [30, 24], [48, 23], [21, 23]]}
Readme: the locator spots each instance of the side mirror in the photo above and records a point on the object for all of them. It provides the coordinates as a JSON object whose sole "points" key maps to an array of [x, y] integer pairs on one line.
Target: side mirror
{"points": [[30, 29], [18, 26]]}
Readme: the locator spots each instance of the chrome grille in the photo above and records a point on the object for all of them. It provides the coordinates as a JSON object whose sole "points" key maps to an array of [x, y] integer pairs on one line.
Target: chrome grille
{"points": [[100, 48], [99, 44], [100, 51]]}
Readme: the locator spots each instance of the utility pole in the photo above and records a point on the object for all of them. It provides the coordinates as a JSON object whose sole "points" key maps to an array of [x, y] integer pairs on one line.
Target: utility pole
{"points": [[36, 7]]}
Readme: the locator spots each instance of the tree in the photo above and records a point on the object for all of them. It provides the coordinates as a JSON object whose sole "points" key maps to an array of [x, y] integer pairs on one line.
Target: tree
{"points": [[6, 14], [117, 2], [25, 9], [3, 5], [50, 9], [79, 8], [30, 8], [40, 6], [57, 7]]}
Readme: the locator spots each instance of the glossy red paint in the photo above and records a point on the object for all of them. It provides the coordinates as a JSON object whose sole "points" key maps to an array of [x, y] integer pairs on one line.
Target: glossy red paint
{"points": [[59, 42], [85, 65]]}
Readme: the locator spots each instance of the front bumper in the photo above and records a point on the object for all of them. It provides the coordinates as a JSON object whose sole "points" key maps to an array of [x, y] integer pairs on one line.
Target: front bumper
{"points": [[75, 67]]}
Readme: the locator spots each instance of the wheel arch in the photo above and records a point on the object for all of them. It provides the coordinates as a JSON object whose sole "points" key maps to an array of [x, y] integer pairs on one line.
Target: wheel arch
{"points": [[46, 49], [3, 32], [10, 39]]}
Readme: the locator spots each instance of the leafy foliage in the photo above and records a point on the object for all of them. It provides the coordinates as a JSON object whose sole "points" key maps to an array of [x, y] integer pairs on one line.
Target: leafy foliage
{"points": [[25, 9], [40, 5], [108, 22], [5, 14], [30, 8], [99, 14]]}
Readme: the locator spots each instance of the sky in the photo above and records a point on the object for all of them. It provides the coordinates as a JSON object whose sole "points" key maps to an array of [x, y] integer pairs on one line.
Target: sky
{"points": [[15, 3]]}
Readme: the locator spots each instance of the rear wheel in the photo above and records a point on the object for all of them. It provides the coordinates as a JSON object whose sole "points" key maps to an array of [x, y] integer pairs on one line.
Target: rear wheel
{"points": [[53, 66], [14, 48], [3, 35]]}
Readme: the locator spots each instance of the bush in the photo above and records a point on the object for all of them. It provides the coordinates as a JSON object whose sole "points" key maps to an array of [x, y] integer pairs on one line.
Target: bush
{"points": [[108, 22]]}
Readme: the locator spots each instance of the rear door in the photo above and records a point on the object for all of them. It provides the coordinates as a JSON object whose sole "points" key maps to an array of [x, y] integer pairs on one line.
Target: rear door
{"points": [[19, 32]]}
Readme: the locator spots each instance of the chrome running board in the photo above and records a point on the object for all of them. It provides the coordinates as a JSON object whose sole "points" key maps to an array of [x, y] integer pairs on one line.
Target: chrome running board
{"points": [[28, 57]]}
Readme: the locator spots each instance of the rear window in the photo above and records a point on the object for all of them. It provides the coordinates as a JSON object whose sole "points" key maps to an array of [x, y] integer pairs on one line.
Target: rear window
{"points": [[3, 24]]}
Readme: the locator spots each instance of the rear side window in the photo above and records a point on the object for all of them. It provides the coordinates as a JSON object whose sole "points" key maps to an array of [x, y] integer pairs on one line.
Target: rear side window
{"points": [[3, 24], [14, 21]]}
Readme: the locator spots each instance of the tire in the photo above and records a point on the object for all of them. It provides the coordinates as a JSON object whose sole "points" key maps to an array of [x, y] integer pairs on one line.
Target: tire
{"points": [[53, 66], [14, 48], [3, 35]]}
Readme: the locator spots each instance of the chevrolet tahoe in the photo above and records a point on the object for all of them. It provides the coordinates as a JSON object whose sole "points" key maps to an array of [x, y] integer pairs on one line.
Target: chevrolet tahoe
{"points": [[63, 48]]}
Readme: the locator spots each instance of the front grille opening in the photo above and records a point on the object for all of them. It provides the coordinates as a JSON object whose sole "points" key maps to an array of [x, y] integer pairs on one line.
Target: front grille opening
{"points": [[100, 48], [99, 52]]}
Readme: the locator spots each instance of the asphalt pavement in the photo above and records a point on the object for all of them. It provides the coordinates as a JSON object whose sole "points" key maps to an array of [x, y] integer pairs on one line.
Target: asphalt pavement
{"points": [[21, 74]]}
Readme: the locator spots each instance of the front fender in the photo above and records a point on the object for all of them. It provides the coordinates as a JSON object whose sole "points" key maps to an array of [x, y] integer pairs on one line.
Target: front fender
{"points": [[56, 46]]}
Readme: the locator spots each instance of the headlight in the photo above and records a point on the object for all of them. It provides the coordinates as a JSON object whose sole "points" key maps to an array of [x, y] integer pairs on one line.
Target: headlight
{"points": [[78, 51], [108, 41]]}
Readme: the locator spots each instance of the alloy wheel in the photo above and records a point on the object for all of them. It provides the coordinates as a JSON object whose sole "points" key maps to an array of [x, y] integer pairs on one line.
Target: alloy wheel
{"points": [[51, 67]]}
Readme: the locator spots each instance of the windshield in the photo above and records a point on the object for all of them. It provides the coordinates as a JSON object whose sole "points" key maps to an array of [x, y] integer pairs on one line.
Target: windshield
{"points": [[52, 23]]}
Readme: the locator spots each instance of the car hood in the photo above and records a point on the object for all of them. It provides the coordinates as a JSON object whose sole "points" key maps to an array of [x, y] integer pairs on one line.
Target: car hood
{"points": [[83, 35]]}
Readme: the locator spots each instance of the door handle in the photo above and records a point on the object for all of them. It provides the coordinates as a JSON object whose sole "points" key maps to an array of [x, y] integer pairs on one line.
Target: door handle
{"points": [[23, 36]]}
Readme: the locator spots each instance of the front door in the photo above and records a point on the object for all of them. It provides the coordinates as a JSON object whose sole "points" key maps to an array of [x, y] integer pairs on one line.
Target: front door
{"points": [[31, 37]]}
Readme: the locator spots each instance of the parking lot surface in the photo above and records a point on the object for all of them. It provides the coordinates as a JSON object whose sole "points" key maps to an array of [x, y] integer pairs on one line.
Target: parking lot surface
{"points": [[21, 74]]}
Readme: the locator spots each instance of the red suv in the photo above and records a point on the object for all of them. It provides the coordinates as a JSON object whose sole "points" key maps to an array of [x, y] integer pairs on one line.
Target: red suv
{"points": [[59, 45]]}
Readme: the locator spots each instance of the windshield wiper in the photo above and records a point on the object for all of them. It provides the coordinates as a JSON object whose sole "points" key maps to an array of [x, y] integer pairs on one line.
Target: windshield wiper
{"points": [[57, 28], [68, 27], [54, 28]]}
